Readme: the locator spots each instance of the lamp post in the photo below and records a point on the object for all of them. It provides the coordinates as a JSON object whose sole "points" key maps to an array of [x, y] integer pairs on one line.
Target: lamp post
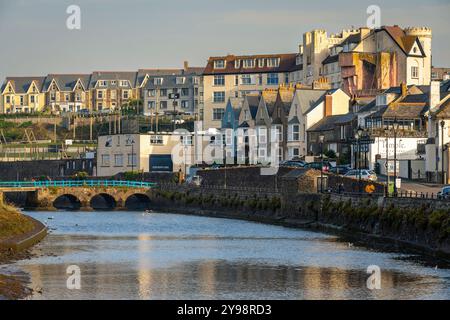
{"points": [[358, 135], [132, 155], [442, 151], [396, 124], [321, 140], [386, 132]]}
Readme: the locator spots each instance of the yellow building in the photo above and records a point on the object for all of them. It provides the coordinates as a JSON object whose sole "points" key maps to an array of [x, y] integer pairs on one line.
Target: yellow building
{"points": [[22, 95]]}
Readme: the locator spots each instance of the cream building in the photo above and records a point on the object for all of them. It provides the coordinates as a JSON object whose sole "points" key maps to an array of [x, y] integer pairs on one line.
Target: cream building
{"points": [[236, 76], [308, 108]]}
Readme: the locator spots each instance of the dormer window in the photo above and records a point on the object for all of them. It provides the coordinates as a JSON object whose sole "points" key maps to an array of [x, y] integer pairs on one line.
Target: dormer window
{"points": [[237, 64], [102, 83], [298, 60], [113, 82], [249, 63], [180, 80], [219, 64], [273, 62], [158, 81], [123, 83], [261, 63]]}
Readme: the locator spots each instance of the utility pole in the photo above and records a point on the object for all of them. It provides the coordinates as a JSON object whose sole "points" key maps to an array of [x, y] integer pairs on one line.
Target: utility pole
{"points": [[91, 120], [74, 126]]}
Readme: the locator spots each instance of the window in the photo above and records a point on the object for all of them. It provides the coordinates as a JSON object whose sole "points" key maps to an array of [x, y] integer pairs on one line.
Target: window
{"points": [[158, 81], [113, 94], [219, 97], [286, 78], [113, 82], [273, 62], [219, 64], [262, 135], [272, 79], [118, 160], [278, 133], [67, 97], [415, 72], [152, 93], [196, 80], [260, 79], [295, 132], [105, 160], [151, 104], [21, 100], [8, 99], [249, 63], [77, 97], [180, 80], [247, 79], [186, 140], [236, 80], [53, 96], [218, 113], [132, 159], [219, 80], [156, 140], [102, 83], [31, 99], [184, 92], [261, 63], [123, 83], [125, 94], [99, 94], [163, 92], [185, 104], [237, 63]]}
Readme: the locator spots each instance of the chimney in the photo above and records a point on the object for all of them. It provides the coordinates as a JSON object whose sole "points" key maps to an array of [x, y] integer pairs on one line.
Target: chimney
{"points": [[186, 65], [328, 108], [435, 94], [404, 89]]}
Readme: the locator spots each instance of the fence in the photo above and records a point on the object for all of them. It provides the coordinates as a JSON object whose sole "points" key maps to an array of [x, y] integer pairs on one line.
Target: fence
{"points": [[76, 183]]}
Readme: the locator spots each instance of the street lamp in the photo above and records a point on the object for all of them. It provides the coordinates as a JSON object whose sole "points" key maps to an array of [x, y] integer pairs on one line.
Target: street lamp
{"points": [[358, 136], [442, 151], [132, 155], [396, 125], [386, 132], [321, 140]]}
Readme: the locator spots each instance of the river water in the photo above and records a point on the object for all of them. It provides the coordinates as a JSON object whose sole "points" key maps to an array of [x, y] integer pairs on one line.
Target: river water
{"points": [[131, 255]]}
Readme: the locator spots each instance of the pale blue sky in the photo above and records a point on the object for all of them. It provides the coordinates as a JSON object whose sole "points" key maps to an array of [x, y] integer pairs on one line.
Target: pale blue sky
{"points": [[126, 35]]}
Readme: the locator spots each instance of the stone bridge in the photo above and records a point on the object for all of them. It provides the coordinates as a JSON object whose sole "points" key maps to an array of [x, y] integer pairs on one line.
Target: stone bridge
{"points": [[69, 195], [86, 198]]}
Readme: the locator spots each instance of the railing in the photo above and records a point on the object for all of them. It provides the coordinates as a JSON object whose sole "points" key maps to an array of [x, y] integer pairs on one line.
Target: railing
{"points": [[76, 183]]}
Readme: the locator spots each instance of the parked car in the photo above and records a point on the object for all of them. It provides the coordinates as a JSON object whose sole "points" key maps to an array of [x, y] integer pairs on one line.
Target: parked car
{"points": [[193, 180], [364, 174], [341, 169], [444, 193], [318, 165], [293, 163]]}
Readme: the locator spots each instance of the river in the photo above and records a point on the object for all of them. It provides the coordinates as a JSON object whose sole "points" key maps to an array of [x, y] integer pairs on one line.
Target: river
{"points": [[131, 255]]}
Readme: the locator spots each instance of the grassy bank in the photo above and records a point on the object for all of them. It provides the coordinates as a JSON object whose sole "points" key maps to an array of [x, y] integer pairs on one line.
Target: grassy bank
{"points": [[12, 222]]}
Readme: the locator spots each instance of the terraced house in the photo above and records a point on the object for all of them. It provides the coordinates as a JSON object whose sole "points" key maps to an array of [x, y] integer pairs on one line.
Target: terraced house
{"points": [[165, 91], [111, 90], [22, 94], [236, 76], [67, 92]]}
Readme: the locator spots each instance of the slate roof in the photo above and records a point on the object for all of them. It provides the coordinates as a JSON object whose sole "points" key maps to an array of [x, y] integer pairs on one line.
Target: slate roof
{"points": [[308, 99], [287, 64], [131, 76], [398, 35], [331, 59], [330, 122], [66, 82], [253, 102], [22, 84]]}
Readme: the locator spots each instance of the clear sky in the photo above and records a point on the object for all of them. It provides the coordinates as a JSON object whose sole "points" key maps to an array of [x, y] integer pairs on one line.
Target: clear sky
{"points": [[127, 35]]}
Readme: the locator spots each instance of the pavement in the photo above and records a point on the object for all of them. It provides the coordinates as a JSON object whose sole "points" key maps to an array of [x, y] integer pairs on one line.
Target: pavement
{"points": [[416, 186]]}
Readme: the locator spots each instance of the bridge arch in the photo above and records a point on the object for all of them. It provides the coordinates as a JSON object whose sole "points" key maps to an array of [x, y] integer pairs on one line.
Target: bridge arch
{"points": [[138, 201], [67, 202], [103, 201]]}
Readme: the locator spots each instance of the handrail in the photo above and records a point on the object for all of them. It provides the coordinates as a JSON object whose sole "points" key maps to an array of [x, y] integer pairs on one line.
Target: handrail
{"points": [[76, 183]]}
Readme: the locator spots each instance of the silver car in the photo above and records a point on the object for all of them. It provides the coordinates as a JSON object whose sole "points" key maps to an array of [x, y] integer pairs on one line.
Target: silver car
{"points": [[365, 175]]}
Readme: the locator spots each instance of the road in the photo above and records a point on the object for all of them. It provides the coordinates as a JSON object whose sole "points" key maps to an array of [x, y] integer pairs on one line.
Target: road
{"points": [[416, 186]]}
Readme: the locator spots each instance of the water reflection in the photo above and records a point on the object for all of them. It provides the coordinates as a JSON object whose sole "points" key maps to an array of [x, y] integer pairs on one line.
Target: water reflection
{"points": [[122, 256]]}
